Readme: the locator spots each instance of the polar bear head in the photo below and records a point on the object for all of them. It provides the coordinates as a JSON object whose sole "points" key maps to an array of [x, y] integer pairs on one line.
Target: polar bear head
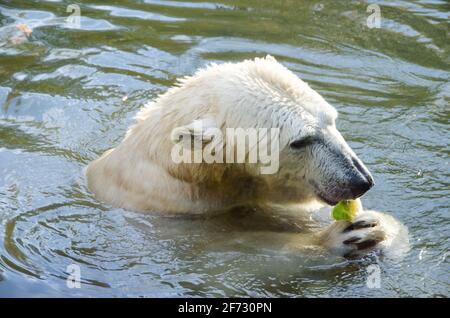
{"points": [[314, 160]]}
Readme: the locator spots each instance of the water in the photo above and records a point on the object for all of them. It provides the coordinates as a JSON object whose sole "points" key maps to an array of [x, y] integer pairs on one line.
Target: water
{"points": [[67, 94]]}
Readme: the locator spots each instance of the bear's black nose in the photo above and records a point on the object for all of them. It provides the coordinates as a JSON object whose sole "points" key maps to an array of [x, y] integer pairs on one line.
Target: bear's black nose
{"points": [[360, 184], [362, 169], [362, 180]]}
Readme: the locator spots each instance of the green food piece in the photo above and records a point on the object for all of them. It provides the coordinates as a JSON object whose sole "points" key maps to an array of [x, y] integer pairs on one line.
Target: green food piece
{"points": [[346, 210]]}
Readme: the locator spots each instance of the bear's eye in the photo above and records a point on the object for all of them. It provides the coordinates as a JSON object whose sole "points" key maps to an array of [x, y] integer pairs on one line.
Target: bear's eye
{"points": [[303, 142]]}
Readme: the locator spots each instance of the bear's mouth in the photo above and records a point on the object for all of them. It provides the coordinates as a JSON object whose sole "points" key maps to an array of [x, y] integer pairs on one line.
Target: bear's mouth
{"points": [[321, 195], [328, 201]]}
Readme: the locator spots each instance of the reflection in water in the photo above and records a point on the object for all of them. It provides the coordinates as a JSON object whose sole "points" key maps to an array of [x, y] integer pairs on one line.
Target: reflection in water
{"points": [[67, 94]]}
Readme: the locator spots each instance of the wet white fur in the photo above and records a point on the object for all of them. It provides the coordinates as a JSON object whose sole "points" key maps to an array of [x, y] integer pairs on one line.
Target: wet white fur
{"points": [[139, 174]]}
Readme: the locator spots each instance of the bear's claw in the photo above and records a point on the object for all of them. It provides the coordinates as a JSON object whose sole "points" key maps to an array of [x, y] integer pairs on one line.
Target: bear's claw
{"points": [[354, 239], [361, 225], [367, 245]]}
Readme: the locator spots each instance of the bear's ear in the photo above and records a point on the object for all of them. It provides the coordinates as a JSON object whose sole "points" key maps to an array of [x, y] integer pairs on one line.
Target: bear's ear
{"points": [[200, 129]]}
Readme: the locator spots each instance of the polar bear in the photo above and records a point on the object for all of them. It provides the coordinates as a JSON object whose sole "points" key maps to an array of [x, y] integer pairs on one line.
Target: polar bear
{"points": [[315, 163]]}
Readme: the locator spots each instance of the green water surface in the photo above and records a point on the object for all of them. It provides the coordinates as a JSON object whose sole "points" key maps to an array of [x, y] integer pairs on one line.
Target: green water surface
{"points": [[68, 92]]}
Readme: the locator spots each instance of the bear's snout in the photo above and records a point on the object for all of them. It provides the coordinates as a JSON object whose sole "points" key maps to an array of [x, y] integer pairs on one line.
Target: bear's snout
{"points": [[347, 178]]}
